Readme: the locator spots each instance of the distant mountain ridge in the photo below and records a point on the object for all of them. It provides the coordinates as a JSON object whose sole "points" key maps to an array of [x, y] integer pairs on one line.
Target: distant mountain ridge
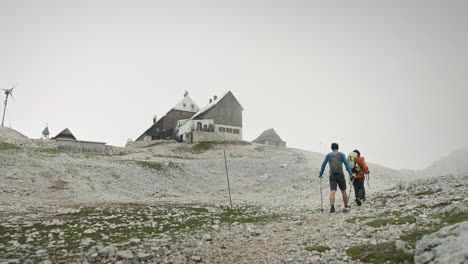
{"points": [[454, 163]]}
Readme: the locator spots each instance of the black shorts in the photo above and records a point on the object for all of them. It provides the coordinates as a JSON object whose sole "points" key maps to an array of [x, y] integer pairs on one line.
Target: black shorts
{"points": [[337, 179]]}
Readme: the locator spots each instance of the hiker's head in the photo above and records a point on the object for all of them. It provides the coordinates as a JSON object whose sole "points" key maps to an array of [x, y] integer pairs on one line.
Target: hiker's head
{"points": [[358, 153], [334, 146]]}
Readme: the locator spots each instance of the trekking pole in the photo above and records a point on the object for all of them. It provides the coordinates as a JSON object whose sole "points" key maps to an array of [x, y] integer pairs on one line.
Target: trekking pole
{"points": [[321, 199], [227, 176], [368, 184], [351, 182]]}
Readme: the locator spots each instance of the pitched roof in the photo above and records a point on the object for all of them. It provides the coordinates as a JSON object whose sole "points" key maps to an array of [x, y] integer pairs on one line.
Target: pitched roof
{"points": [[214, 103], [65, 134], [186, 105], [269, 134]]}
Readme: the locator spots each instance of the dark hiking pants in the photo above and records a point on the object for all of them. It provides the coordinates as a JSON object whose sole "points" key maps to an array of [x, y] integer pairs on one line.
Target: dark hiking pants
{"points": [[359, 190]]}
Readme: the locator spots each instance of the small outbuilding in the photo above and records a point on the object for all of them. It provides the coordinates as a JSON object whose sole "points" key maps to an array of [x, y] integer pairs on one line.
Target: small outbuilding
{"points": [[67, 141], [270, 137]]}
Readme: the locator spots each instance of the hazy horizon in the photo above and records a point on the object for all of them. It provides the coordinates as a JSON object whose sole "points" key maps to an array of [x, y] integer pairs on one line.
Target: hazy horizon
{"points": [[387, 78]]}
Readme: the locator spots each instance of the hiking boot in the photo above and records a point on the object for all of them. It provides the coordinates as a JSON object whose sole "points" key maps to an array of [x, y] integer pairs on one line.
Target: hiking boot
{"points": [[332, 209], [347, 207], [358, 202]]}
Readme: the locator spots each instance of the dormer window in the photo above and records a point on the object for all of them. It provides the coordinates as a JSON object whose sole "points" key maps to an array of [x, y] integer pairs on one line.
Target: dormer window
{"points": [[193, 107], [185, 105]]}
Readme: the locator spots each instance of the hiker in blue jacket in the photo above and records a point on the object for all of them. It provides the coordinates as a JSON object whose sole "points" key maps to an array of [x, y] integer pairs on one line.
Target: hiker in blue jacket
{"points": [[335, 160]]}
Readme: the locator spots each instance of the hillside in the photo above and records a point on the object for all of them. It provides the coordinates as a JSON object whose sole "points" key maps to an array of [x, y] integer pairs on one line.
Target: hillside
{"points": [[167, 171], [169, 203], [454, 163]]}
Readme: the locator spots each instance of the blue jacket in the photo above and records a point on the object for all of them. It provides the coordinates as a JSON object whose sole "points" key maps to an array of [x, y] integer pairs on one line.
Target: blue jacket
{"points": [[343, 157]]}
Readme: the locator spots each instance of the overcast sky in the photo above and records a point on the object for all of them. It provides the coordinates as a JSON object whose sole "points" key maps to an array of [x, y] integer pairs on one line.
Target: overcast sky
{"points": [[388, 78]]}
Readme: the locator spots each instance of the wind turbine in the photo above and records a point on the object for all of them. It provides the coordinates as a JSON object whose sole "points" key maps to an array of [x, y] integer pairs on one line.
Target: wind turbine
{"points": [[8, 92]]}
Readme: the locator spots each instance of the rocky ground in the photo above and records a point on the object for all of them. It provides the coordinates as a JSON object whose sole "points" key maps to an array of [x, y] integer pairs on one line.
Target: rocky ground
{"points": [[169, 203]]}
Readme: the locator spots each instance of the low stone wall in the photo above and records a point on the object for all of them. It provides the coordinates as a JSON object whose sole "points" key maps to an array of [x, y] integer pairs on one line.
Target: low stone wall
{"points": [[198, 136]]}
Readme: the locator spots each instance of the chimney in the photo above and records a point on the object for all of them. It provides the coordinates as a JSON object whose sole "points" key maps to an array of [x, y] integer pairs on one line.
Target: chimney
{"points": [[155, 118], [215, 97], [185, 94], [211, 100]]}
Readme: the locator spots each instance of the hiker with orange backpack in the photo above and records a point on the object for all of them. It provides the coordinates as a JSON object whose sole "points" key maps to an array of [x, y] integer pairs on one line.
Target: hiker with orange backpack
{"points": [[359, 168]]}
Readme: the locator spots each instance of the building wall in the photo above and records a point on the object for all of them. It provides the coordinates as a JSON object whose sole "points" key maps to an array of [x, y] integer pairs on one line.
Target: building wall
{"points": [[226, 112], [197, 136], [81, 146], [192, 125]]}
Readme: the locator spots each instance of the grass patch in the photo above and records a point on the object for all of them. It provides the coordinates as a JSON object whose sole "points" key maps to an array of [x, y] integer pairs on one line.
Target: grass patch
{"points": [[157, 166], [203, 146], [116, 224], [445, 220], [455, 218], [380, 253], [174, 165], [353, 220], [423, 193], [392, 221], [7, 146], [412, 237], [318, 248], [442, 204], [391, 213]]}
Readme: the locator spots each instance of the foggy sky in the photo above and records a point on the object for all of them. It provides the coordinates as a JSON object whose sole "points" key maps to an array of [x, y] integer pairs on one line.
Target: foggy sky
{"points": [[387, 78]]}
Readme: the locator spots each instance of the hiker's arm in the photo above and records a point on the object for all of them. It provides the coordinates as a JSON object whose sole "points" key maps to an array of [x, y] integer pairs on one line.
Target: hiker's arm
{"points": [[324, 163], [364, 167], [345, 161]]}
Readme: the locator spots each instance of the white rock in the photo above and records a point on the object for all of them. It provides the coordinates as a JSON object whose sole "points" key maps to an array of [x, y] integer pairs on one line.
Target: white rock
{"points": [[196, 258], [124, 254], [86, 241], [207, 237]]}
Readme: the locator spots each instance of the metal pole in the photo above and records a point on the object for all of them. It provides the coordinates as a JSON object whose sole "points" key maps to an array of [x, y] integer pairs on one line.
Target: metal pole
{"points": [[351, 181], [227, 176], [368, 185], [321, 199], [4, 109]]}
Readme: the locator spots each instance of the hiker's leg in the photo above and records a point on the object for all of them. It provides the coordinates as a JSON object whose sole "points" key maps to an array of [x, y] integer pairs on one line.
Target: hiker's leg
{"points": [[345, 197], [356, 187], [333, 186], [342, 185], [361, 188], [332, 196]]}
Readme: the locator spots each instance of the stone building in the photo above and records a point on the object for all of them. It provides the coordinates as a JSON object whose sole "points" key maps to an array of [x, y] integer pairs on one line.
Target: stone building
{"points": [[220, 120]]}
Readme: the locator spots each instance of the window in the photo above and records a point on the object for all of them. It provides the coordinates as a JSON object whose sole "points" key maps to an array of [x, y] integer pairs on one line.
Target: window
{"points": [[222, 129], [236, 131], [205, 127], [229, 130], [199, 125], [193, 107], [184, 105]]}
